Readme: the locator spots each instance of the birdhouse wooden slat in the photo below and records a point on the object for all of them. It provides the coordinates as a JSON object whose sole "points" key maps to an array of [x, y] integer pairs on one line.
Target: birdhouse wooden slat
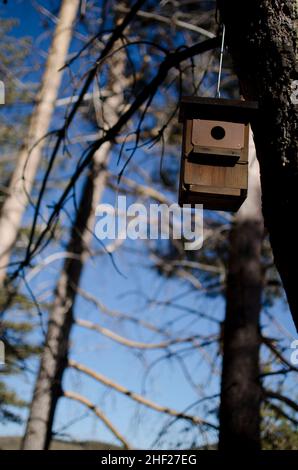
{"points": [[214, 163]]}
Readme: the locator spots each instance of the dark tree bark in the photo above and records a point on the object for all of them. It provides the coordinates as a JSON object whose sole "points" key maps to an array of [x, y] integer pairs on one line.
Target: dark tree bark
{"points": [[262, 41], [240, 387]]}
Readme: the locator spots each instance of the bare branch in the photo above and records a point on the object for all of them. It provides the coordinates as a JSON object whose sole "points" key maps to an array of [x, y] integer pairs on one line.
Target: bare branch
{"points": [[172, 60], [171, 21], [117, 33], [130, 343], [120, 315], [84, 401], [281, 412], [278, 354], [278, 396], [136, 397]]}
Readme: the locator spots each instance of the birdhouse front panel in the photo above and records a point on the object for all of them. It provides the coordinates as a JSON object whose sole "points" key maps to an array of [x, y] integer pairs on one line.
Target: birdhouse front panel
{"points": [[216, 134], [214, 165]]}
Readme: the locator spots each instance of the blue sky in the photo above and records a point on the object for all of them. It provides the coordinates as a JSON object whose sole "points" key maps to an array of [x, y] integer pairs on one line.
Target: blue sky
{"points": [[134, 293]]}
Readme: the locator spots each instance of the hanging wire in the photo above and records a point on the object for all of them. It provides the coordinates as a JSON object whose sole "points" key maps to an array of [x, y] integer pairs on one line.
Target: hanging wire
{"points": [[83, 8], [221, 61]]}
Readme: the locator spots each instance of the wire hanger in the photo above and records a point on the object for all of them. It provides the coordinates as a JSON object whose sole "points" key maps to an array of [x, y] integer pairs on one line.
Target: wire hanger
{"points": [[221, 60]]}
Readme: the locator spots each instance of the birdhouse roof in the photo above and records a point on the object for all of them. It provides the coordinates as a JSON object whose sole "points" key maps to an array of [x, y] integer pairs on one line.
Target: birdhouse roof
{"points": [[217, 109]]}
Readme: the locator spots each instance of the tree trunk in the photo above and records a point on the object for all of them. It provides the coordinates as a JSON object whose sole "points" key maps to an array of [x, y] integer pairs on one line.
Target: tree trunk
{"points": [[30, 154], [262, 40], [240, 388], [55, 355]]}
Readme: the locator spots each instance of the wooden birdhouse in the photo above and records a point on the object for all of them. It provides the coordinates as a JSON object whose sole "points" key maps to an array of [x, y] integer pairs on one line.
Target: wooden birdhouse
{"points": [[214, 163]]}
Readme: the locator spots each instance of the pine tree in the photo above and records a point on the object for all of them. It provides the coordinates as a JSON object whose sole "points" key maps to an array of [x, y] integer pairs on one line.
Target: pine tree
{"points": [[14, 335], [29, 156]]}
